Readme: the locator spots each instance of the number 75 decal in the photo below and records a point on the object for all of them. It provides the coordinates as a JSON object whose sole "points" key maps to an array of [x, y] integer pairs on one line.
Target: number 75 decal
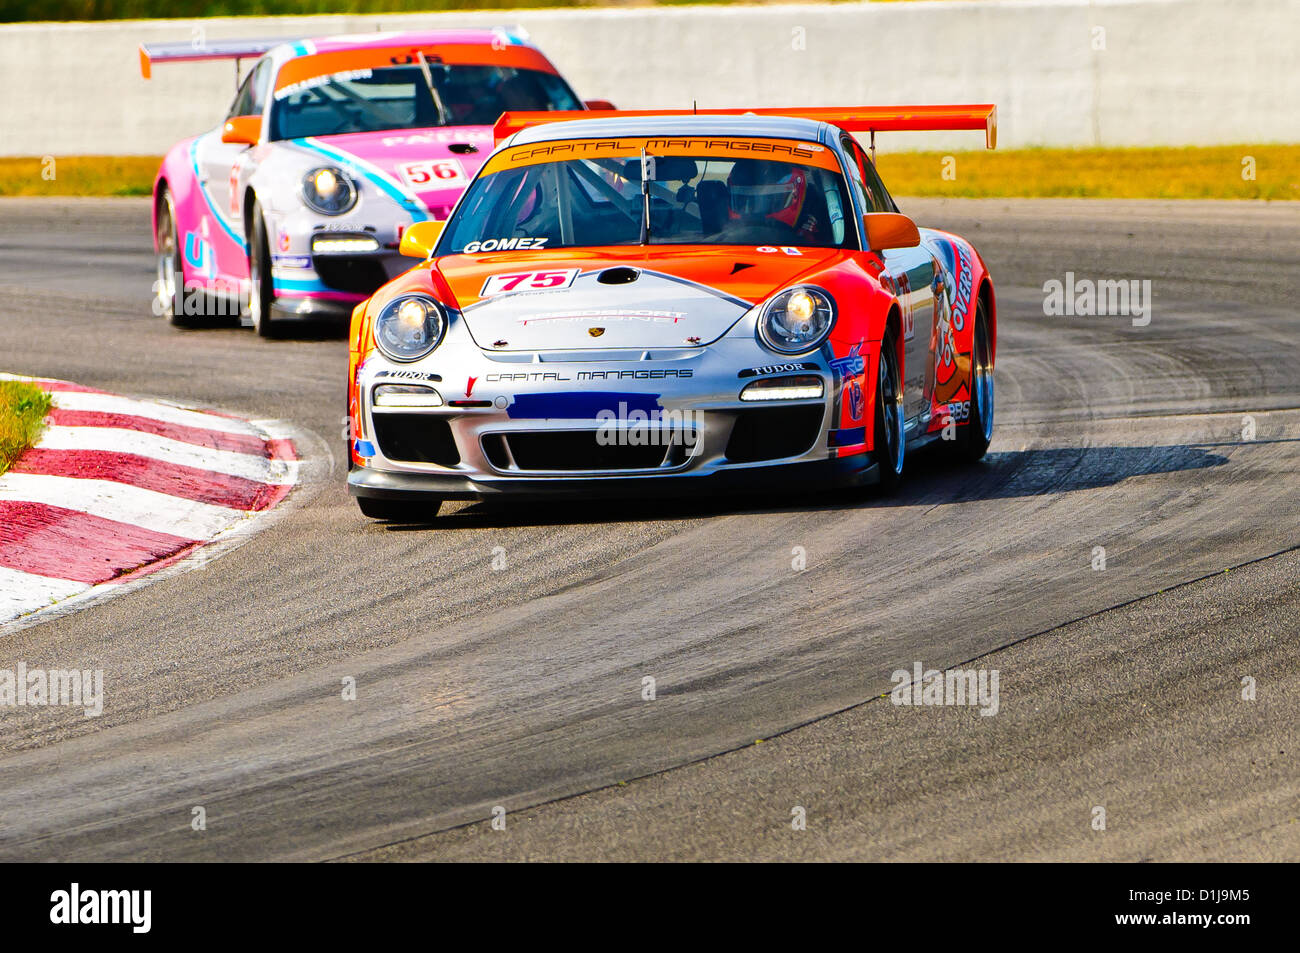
{"points": [[529, 281]]}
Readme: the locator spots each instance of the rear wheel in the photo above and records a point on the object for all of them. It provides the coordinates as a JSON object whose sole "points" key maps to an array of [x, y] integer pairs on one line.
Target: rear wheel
{"points": [[399, 511], [890, 444], [262, 296], [169, 288], [973, 440]]}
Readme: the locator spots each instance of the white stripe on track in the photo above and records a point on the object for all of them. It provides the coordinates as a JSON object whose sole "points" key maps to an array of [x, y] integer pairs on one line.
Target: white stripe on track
{"points": [[22, 592], [112, 404], [122, 503], [115, 440]]}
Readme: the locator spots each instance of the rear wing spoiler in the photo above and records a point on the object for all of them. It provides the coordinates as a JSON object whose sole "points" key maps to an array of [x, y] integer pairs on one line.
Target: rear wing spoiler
{"points": [[870, 119], [195, 52]]}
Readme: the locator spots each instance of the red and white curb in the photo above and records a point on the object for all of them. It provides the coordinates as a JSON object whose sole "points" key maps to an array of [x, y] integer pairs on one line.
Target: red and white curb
{"points": [[116, 488]]}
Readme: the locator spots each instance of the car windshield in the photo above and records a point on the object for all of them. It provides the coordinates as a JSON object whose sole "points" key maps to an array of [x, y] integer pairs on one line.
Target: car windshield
{"points": [[683, 199], [398, 97]]}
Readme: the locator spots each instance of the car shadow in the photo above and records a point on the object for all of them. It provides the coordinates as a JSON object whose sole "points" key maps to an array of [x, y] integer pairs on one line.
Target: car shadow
{"points": [[930, 479]]}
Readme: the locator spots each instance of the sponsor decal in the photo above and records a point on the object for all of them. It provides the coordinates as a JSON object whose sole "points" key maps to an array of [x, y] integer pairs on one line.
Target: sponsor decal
{"points": [[961, 305], [343, 227], [436, 138], [787, 368], [199, 256], [854, 399], [588, 147], [639, 374], [790, 250], [291, 261], [284, 92], [851, 364], [510, 377], [504, 244], [528, 281], [433, 174], [409, 375], [766, 249], [958, 410]]}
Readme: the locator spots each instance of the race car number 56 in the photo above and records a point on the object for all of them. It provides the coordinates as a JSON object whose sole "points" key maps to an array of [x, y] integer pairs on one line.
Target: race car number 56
{"points": [[434, 173], [528, 281]]}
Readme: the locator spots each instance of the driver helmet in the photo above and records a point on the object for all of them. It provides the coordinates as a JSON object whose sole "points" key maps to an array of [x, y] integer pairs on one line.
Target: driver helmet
{"points": [[767, 190]]}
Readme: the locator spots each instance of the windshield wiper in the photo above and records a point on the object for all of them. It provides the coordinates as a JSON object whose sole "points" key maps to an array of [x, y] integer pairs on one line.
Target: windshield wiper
{"points": [[647, 170], [443, 115]]}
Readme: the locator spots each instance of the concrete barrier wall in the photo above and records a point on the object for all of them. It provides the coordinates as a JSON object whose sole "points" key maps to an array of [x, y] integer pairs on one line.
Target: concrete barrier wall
{"points": [[1063, 72]]}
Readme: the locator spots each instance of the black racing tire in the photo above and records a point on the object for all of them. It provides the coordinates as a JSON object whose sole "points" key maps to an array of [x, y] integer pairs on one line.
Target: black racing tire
{"points": [[399, 511], [972, 440], [890, 437], [262, 288], [169, 288]]}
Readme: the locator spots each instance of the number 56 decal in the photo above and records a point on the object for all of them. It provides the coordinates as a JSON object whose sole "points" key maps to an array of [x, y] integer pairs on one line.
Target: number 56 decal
{"points": [[528, 281], [433, 174]]}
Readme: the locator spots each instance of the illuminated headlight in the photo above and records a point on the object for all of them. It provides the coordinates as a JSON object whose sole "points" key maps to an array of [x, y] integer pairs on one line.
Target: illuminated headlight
{"points": [[329, 191], [324, 245], [410, 327], [797, 320], [805, 387], [405, 395]]}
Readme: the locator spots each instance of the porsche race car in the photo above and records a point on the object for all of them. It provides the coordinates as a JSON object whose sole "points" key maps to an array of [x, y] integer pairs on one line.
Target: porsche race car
{"points": [[666, 302], [294, 206]]}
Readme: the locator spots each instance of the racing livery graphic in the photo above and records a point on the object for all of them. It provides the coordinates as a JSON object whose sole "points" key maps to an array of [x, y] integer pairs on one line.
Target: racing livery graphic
{"points": [[294, 206], [671, 302]]}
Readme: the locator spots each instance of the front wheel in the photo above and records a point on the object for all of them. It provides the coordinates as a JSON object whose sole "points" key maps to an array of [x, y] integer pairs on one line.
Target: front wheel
{"points": [[890, 444], [262, 296], [399, 511]]}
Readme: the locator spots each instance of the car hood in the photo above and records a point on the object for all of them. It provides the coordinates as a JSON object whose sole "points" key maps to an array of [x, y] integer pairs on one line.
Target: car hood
{"points": [[681, 296], [434, 165]]}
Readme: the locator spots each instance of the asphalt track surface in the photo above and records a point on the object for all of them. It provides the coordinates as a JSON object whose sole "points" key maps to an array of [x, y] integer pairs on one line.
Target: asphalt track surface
{"points": [[522, 686]]}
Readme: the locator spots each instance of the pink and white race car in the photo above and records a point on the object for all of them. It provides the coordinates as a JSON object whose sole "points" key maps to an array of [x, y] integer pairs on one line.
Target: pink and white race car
{"points": [[295, 205]]}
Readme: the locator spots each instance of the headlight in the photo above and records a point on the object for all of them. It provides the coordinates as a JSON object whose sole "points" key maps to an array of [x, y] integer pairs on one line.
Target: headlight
{"points": [[329, 191], [410, 327], [797, 320]]}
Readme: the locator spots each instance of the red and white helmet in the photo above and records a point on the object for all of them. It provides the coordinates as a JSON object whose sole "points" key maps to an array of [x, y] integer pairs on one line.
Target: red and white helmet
{"points": [[762, 189]]}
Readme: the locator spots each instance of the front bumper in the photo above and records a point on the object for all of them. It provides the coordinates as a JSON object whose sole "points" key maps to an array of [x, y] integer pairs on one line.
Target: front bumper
{"points": [[522, 426], [413, 487]]}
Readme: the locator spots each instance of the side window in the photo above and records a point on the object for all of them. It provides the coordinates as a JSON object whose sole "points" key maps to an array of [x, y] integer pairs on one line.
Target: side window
{"points": [[261, 86], [870, 188], [251, 98]]}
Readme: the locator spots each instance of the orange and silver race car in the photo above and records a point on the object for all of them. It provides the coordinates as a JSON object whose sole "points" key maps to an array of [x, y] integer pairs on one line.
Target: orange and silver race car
{"points": [[665, 301]]}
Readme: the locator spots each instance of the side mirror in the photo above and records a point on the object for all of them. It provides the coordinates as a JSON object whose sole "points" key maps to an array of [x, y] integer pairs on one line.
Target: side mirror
{"points": [[890, 230], [242, 129], [419, 239], [599, 104]]}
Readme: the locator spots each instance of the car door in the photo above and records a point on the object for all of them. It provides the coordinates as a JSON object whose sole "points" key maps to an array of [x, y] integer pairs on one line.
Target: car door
{"points": [[913, 273]]}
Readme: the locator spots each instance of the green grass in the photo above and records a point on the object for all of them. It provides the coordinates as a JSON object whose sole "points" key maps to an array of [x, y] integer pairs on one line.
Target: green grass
{"points": [[23, 407], [1213, 172], [79, 175]]}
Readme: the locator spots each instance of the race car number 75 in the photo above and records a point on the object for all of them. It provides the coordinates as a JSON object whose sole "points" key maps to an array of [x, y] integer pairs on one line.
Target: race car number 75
{"points": [[529, 281]]}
